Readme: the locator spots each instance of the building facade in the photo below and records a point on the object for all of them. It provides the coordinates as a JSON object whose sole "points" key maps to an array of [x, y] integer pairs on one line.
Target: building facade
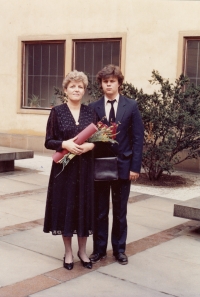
{"points": [[42, 40]]}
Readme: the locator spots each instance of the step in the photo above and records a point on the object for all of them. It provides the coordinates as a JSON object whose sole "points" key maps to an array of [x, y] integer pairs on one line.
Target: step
{"points": [[189, 209], [8, 155]]}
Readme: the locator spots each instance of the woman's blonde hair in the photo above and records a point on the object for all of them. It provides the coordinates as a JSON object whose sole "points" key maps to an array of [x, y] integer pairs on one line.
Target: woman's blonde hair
{"points": [[77, 76]]}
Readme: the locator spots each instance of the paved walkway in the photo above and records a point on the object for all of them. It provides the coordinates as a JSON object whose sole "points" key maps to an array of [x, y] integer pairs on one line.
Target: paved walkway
{"points": [[163, 251]]}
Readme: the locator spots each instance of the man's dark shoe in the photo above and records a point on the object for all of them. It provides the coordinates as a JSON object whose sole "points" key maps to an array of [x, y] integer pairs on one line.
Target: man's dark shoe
{"points": [[96, 257], [121, 258]]}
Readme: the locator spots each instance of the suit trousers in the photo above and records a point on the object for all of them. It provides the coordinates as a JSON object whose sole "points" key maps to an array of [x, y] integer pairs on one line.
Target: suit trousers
{"points": [[120, 190]]}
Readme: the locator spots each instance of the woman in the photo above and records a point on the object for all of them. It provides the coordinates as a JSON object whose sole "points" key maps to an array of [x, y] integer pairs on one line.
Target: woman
{"points": [[69, 206]]}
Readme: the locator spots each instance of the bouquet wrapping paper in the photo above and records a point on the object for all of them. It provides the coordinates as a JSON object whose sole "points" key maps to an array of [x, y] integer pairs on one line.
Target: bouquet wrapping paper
{"points": [[81, 138]]}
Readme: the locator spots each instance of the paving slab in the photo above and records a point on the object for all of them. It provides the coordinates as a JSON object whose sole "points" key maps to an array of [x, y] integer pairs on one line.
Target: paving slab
{"points": [[18, 264], [184, 248], [40, 196], [158, 203], [40, 162], [20, 208], [97, 284], [153, 218], [43, 243], [18, 171], [8, 186], [169, 268], [7, 219], [138, 231], [134, 194], [30, 178], [37, 241]]}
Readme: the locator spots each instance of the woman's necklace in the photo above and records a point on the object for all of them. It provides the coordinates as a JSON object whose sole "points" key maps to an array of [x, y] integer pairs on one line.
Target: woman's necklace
{"points": [[75, 113]]}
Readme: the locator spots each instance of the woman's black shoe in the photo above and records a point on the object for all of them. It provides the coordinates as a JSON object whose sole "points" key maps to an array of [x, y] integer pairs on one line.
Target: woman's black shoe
{"points": [[68, 266], [85, 264]]}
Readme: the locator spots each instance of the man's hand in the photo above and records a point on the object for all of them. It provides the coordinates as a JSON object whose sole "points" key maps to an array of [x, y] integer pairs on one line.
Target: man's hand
{"points": [[86, 146], [133, 176]]}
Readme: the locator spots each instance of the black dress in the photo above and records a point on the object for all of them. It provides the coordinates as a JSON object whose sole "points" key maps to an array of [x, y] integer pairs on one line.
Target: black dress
{"points": [[69, 205]]}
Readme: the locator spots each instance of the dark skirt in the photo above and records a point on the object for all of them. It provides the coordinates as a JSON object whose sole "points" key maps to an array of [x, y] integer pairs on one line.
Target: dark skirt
{"points": [[70, 204]]}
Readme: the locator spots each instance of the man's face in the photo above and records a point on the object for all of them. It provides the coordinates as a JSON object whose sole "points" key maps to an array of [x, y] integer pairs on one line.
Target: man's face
{"points": [[110, 86]]}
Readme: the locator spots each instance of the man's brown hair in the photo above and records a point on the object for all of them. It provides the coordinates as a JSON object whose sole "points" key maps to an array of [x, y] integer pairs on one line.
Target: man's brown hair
{"points": [[110, 70]]}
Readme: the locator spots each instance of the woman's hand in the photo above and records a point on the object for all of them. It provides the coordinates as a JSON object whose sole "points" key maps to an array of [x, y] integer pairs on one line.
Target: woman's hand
{"points": [[86, 146], [72, 147]]}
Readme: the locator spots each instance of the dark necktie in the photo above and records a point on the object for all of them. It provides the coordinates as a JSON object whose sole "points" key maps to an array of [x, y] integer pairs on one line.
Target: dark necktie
{"points": [[112, 111]]}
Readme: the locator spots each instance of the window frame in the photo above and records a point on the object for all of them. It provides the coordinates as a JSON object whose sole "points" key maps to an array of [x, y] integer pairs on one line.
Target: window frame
{"points": [[68, 40], [182, 44], [186, 49], [24, 69], [96, 40]]}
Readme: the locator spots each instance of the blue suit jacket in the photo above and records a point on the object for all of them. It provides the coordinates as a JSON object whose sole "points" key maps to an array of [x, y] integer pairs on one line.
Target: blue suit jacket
{"points": [[130, 136]]}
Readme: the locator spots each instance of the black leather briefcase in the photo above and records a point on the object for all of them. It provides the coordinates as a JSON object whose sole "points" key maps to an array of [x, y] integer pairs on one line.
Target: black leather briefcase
{"points": [[105, 169]]}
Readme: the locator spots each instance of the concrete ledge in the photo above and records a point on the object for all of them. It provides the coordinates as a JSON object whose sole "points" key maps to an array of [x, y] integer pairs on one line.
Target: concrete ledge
{"points": [[189, 209], [9, 155], [6, 166]]}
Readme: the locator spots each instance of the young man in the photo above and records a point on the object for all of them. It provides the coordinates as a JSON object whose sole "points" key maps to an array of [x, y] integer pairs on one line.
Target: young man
{"points": [[116, 108]]}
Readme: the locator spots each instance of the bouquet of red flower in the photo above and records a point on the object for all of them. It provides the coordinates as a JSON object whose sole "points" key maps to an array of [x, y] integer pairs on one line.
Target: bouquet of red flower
{"points": [[104, 133], [81, 138]]}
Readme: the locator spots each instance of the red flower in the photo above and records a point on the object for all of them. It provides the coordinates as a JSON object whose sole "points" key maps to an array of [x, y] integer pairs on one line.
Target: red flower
{"points": [[113, 129], [101, 125]]}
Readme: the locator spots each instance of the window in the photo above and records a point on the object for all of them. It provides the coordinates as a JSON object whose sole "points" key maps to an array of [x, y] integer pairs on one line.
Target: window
{"points": [[192, 60], [90, 56], [43, 68]]}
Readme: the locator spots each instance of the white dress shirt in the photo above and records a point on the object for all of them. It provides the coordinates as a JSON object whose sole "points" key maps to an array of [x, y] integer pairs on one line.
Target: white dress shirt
{"points": [[108, 105]]}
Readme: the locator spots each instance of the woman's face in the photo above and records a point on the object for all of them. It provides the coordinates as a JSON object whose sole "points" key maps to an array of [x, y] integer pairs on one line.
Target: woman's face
{"points": [[75, 90]]}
